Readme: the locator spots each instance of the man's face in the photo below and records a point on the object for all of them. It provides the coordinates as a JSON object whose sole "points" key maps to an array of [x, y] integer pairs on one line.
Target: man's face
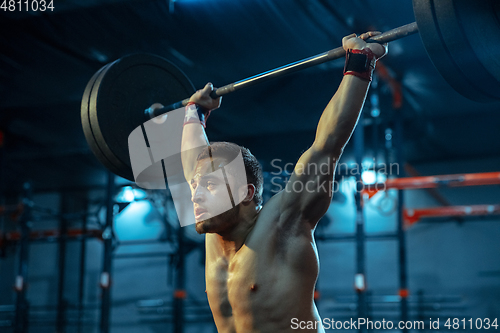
{"points": [[213, 208]]}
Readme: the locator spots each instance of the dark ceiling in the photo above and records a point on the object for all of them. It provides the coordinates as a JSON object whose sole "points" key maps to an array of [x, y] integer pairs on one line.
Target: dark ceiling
{"points": [[46, 60]]}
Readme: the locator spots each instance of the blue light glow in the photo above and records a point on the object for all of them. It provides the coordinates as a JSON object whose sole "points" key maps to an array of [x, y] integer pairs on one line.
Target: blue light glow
{"points": [[139, 221], [369, 177], [130, 194]]}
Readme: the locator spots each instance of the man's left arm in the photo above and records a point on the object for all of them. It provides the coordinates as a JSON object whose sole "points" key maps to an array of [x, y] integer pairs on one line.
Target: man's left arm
{"points": [[308, 192]]}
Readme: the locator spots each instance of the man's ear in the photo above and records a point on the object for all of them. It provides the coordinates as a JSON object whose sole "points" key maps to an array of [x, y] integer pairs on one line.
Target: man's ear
{"points": [[250, 192]]}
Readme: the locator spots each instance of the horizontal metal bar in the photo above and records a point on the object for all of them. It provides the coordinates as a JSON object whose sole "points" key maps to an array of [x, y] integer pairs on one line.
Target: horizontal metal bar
{"points": [[456, 180], [413, 215], [141, 242], [48, 235], [142, 255], [397, 299], [339, 52], [340, 238]]}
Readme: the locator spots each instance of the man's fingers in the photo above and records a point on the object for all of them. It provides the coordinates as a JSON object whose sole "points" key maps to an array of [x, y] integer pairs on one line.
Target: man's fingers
{"points": [[207, 89], [348, 37], [369, 34], [363, 36]]}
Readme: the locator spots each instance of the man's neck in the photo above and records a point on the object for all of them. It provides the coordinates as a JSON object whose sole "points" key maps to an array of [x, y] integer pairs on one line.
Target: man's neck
{"points": [[232, 240]]}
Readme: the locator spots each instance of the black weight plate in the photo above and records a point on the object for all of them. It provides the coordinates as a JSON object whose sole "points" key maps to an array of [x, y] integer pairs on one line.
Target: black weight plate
{"points": [[442, 25], [459, 22], [87, 130], [119, 97], [98, 146], [481, 24]]}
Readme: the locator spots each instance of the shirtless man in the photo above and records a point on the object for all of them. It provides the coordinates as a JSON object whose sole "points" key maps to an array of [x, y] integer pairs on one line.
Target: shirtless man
{"points": [[261, 261]]}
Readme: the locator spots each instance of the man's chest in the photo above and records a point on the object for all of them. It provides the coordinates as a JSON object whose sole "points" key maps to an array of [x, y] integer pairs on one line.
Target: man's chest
{"points": [[234, 285], [259, 277]]}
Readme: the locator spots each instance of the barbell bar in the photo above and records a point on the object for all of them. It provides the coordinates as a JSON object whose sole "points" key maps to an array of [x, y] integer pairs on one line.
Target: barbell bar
{"points": [[337, 53]]}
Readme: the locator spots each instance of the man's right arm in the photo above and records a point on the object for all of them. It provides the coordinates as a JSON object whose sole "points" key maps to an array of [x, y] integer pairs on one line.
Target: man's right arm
{"points": [[194, 138]]}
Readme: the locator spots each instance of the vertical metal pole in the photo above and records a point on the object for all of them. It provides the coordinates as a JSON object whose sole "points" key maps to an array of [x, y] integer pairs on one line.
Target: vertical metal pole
{"points": [[107, 257], [369, 305], [375, 113], [403, 278], [180, 292], [61, 303], [421, 307], [360, 225], [22, 315], [376, 126], [2, 177], [81, 279]]}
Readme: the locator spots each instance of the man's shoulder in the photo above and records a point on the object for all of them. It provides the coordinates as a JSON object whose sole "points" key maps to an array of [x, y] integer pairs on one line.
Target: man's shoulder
{"points": [[270, 218], [270, 210], [273, 230], [265, 220]]}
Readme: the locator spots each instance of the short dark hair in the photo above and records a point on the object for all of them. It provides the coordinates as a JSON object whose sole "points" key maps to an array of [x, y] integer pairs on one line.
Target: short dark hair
{"points": [[229, 151]]}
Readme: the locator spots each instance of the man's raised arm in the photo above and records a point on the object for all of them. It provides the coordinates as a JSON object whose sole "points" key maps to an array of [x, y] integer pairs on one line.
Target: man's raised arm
{"points": [[194, 138], [308, 192]]}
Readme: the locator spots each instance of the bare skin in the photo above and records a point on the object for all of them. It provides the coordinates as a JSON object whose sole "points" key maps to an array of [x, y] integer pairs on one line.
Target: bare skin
{"points": [[262, 262]]}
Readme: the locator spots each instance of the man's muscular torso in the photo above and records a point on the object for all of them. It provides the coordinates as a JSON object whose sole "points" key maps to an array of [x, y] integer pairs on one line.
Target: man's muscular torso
{"points": [[268, 281], [260, 273]]}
